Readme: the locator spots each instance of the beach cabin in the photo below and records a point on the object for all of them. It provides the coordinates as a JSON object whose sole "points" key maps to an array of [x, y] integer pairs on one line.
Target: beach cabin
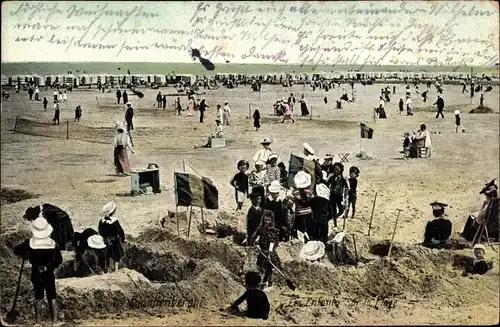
{"points": [[136, 78], [59, 79], [26, 79], [190, 78], [101, 79], [5, 80], [15, 80], [84, 79], [160, 79], [39, 80], [150, 78], [50, 80]]}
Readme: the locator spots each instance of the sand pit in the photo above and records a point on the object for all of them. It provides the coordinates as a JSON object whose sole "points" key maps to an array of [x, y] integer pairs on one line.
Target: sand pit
{"points": [[481, 110], [14, 195]]}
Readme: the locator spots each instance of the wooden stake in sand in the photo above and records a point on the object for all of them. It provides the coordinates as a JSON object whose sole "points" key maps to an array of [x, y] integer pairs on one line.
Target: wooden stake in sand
{"points": [[203, 223], [189, 220], [97, 100], [373, 210], [311, 115], [67, 129], [249, 110], [176, 207], [393, 233], [15, 124]]}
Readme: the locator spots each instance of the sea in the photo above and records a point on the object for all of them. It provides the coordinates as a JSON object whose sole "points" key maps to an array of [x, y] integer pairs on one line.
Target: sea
{"points": [[54, 68]]}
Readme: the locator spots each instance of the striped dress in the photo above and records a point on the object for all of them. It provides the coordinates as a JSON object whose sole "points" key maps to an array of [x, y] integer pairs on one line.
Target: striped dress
{"points": [[273, 174], [303, 211]]}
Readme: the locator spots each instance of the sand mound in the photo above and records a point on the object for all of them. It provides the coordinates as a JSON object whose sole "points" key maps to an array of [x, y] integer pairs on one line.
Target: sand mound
{"points": [[14, 195], [362, 155], [481, 110]]}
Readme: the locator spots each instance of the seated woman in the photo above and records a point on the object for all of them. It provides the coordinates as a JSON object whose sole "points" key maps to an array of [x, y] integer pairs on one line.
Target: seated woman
{"points": [[421, 139], [488, 214], [217, 133], [479, 265], [437, 231]]}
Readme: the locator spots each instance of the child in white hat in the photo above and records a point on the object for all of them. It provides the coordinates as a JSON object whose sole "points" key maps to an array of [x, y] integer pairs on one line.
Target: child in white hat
{"points": [[113, 234], [44, 256]]}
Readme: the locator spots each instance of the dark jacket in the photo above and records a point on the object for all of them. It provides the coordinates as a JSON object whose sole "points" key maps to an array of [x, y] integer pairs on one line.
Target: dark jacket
{"points": [[322, 210], [49, 258]]}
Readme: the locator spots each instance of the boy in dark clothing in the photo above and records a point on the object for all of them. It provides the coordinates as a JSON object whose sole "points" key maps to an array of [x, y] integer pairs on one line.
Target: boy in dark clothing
{"points": [[457, 121], [406, 145], [353, 185], [322, 213], [254, 215], [45, 103], [401, 104], [283, 175], [338, 189], [78, 113], [44, 255], [240, 184], [275, 205], [257, 303]]}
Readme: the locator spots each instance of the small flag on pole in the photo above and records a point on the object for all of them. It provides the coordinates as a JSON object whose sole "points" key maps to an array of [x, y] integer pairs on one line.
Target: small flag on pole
{"points": [[297, 164], [192, 190], [366, 132]]}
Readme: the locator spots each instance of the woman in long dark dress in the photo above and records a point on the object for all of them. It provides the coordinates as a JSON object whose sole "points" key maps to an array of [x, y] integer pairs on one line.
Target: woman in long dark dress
{"points": [[62, 232], [303, 106], [256, 119], [268, 242], [113, 234]]}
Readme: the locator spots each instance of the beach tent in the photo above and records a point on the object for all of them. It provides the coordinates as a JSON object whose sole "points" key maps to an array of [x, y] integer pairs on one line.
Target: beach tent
{"points": [[5, 80]]}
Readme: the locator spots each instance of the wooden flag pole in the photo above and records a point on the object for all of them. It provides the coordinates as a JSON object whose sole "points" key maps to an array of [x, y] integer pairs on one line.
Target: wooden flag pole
{"points": [[189, 220], [373, 210], [183, 166], [393, 233]]}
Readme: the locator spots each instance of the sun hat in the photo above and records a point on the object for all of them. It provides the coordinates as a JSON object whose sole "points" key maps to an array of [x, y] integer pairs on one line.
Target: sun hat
{"points": [[260, 163], [274, 187], [129, 104], [323, 191], [338, 237], [489, 187], [479, 246], [266, 141], [302, 179], [457, 112], [108, 208], [313, 250], [96, 242], [308, 148], [273, 156], [328, 156], [40, 228]]}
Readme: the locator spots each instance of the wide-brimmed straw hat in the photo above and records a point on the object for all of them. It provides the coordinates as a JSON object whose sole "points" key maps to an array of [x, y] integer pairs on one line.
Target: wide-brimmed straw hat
{"points": [[40, 228], [457, 112], [302, 179], [313, 250], [308, 148], [328, 157], [275, 187], [266, 141], [129, 104], [108, 208], [96, 242], [323, 191]]}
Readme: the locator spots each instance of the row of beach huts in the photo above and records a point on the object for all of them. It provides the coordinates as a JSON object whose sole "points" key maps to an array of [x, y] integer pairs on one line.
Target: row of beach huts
{"points": [[95, 79]]}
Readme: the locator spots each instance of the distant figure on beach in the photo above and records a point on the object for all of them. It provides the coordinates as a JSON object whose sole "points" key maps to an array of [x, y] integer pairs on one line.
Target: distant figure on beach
{"points": [[125, 97], [45, 103], [78, 113], [57, 112]]}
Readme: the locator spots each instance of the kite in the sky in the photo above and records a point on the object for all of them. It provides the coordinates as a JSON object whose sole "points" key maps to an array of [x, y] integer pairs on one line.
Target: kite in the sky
{"points": [[195, 53]]}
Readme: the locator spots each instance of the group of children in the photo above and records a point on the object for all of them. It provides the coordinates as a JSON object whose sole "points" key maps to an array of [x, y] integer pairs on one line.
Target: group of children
{"points": [[52, 231], [273, 218]]}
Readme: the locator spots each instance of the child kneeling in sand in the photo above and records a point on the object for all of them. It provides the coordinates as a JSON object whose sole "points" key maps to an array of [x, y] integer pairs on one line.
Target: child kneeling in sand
{"points": [[257, 302]]}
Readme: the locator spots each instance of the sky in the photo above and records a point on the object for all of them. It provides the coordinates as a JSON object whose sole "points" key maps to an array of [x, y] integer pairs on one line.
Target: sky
{"points": [[421, 33]]}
